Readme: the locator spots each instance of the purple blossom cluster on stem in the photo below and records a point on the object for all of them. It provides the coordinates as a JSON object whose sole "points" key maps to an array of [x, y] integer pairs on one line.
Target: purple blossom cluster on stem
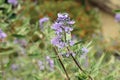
{"points": [[62, 26]]}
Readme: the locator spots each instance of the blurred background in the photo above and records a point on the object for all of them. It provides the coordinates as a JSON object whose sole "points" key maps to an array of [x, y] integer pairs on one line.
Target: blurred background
{"points": [[94, 21]]}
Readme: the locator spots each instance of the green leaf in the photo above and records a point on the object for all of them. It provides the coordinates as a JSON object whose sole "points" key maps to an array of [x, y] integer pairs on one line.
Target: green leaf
{"points": [[82, 77], [2, 1], [96, 67], [117, 11], [78, 42], [18, 36], [68, 36]]}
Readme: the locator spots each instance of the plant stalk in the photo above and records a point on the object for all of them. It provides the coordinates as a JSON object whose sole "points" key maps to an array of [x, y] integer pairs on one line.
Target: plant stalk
{"points": [[2, 67], [68, 78], [76, 62]]}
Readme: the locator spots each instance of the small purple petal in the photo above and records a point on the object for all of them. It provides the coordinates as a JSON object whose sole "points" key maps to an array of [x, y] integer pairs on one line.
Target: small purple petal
{"points": [[42, 21], [68, 29], [41, 65], [2, 34], [61, 45], [51, 63], [47, 58], [85, 50], [71, 43], [117, 17], [56, 40], [71, 22], [67, 54], [14, 67], [57, 27], [62, 15]]}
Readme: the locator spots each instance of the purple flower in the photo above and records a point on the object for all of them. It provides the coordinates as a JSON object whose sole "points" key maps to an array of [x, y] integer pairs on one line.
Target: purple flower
{"points": [[85, 50], [117, 17], [57, 27], [47, 58], [22, 42], [14, 67], [62, 26], [2, 34], [63, 18], [68, 29], [67, 54], [62, 45], [13, 2], [41, 65], [42, 21], [62, 15], [71, 22], [56, 41], [50, 63], [71, 43]]}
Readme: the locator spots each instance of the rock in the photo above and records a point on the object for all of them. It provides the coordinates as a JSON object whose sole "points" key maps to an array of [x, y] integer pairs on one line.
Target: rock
{"points": [[107, 5]]}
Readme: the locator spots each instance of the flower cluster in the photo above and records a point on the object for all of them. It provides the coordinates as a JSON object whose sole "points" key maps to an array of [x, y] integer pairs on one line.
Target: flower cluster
{"points": [[62, 26], [2, 34], [50, 62]]}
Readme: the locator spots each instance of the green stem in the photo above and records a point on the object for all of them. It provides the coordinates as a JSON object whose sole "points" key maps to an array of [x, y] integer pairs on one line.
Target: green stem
{"points": [[76, 62], [68, 78], [2, 67]]}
